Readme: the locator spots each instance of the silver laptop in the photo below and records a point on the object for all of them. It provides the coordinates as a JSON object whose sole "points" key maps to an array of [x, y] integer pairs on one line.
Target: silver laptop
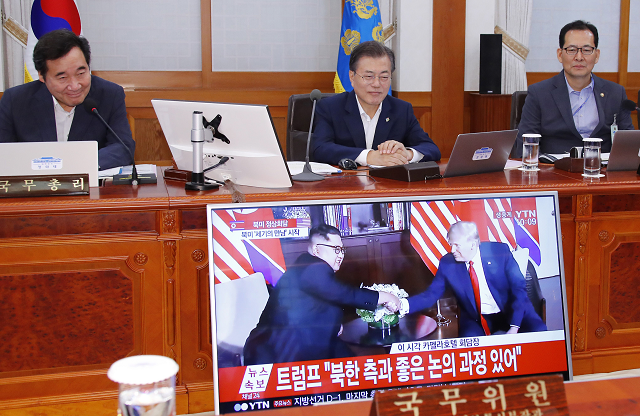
{"points": [[45, 158], [625, 151], [480, 153]]}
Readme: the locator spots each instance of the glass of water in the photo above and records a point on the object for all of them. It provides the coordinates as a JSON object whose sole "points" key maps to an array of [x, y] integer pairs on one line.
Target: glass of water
{"points": [[530, 151], [147, 385], [591, 155]]}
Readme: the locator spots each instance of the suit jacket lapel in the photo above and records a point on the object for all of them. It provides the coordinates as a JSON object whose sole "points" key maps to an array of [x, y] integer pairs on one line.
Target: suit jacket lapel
{"points": [[561, 97], [383, 128], [465, 282], [81, 121], [601, 94], [354, 121], [43, 106]]}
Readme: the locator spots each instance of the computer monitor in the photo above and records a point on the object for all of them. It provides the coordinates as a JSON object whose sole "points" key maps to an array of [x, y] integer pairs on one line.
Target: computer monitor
{"points": [[393, 240], [254, 152]]}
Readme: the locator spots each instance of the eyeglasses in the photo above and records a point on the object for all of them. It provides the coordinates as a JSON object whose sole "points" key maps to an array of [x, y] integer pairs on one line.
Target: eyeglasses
{"points": [[368, 79], [586, 50], [336, 249]]}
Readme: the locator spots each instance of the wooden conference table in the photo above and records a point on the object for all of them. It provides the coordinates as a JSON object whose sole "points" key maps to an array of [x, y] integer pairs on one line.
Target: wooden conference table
{"points": [[87, 280]]}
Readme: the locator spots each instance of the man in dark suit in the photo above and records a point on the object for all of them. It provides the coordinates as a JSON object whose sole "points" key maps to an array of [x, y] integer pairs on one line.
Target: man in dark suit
{"points": [[303, 316], [483, 277], [367, 125], [574, 104], [49, 109]]}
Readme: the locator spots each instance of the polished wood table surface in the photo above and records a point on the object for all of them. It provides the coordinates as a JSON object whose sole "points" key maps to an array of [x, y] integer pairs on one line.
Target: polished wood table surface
{"points": [[87, 280]]}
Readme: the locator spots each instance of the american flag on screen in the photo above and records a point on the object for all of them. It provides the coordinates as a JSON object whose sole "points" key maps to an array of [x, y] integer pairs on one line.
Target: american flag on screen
{"points": [[506, 220], [235, 257]]}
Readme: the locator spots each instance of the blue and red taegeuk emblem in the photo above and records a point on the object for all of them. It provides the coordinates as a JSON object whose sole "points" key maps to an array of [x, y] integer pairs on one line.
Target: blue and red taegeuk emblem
{"points": [[48, 15]]}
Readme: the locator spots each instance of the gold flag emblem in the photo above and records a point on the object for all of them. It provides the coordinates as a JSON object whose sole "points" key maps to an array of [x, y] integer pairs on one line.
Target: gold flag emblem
{"points": [[350, 40], [377, 33], [364, 8]]}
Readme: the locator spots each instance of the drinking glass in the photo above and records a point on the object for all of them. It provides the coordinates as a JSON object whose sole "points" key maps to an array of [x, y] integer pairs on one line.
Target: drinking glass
{"points": [[530, 151], [591, 155], [147, 385]]}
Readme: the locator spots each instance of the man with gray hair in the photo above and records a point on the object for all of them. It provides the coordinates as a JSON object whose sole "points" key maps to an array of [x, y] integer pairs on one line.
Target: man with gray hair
{"points": [[367, 125], [487, 283]]}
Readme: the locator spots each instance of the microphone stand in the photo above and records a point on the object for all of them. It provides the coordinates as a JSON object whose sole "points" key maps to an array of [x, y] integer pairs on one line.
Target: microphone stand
{"points": [[121, 179], [197, 140], [307, 175]]}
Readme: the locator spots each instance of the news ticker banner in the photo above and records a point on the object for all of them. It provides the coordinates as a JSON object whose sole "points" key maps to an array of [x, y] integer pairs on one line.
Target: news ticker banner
{"points": [[408, 364]]}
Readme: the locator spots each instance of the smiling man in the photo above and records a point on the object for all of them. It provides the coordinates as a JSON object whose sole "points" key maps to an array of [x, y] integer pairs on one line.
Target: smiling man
{"points": [[49, 109], [367, 125], [574, 104], [487, 283], [303, 316]]}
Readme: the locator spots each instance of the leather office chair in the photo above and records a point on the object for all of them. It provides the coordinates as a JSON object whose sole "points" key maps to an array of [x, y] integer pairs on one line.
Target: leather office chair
{"points": [[638, 112], [239, 304], [535, 293], [298, 120], [521, 256], [517, 102]]}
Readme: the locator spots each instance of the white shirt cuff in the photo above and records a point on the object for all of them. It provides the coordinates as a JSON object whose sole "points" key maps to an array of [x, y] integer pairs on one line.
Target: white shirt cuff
{"points": [[404, 307], [362, 157], [417, 156]]}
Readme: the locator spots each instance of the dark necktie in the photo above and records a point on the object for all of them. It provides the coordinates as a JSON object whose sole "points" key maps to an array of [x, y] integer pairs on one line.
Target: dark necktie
{"points": [[476, 294]]}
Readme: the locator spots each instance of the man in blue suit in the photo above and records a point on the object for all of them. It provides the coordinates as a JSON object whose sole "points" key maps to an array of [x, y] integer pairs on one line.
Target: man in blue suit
{"points": [[367, 125], [483, 277], [49, 109], [303, 316], [574, 104]]}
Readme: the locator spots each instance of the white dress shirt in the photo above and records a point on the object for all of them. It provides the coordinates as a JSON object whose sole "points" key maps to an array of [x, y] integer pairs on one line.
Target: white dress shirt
{"points": [[370, 124], [63, 120], [488, 304]]}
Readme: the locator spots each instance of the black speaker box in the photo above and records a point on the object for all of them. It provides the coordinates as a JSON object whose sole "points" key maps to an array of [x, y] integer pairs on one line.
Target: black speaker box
{"points": [[490, 64], [411, 172]]}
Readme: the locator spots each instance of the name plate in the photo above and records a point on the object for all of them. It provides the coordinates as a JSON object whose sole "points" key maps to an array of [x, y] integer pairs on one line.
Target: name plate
{"points": [[43, 185], [530, 396]]}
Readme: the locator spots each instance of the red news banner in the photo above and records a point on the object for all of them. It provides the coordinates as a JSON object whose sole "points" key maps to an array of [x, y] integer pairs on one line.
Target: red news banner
{"points": [[409, 364]]}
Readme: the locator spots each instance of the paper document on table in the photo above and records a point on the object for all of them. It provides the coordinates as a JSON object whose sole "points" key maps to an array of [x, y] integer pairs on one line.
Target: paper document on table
{"points": [[320, 168], [126, 170], [513, 164]]}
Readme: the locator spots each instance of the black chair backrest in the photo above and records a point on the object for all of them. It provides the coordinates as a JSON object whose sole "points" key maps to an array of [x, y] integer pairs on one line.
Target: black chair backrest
{"points": [[298, 120], [517, 102], [638, 112], [535, 293]]}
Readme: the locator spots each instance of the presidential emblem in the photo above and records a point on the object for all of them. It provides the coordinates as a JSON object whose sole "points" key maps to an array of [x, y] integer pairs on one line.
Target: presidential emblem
{"points": [[377, 33], [364, 8], [350, 40]]}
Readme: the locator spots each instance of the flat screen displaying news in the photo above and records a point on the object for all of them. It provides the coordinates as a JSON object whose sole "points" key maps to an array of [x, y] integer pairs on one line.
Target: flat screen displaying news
{"points": [[328, 301]]}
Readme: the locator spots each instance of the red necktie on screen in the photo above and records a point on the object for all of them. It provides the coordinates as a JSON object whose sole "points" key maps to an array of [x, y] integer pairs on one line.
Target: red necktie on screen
{"points": [[476, 294]]}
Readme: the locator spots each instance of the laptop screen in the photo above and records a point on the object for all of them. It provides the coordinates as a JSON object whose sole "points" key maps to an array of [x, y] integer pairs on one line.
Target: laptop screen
{"points": [[294, 321]]}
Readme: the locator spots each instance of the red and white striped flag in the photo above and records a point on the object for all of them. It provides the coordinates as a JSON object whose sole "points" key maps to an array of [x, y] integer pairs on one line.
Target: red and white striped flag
{"points": [[430, 223]]}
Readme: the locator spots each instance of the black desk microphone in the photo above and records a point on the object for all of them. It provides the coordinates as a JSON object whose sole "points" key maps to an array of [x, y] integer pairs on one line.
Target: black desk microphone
{"points": [[91, 106], [307, 175]]}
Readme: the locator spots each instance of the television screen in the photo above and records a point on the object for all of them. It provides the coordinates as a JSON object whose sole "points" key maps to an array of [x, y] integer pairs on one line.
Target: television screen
{"points": [[326, 301]]}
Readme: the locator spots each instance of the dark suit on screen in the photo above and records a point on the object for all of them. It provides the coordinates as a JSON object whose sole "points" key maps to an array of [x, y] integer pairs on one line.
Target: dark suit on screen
{"points": [[27, 115], [547, 111], [339, 133], [505, 281], [303, 315]]}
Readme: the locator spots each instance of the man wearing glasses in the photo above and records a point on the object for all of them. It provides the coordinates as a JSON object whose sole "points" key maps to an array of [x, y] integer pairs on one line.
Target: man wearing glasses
{"points": [[367, 125], [574, 104], [303, 316]]}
